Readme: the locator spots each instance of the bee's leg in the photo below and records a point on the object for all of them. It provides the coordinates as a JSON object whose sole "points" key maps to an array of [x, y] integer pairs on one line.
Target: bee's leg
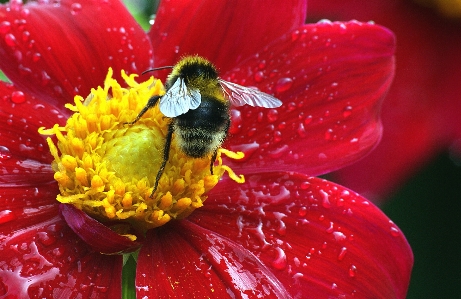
{"points": [[166, 156], [213, 159], [151, 103]]}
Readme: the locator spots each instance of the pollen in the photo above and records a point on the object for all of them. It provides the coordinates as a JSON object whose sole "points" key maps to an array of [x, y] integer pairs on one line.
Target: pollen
{"points": [[108, 168]]}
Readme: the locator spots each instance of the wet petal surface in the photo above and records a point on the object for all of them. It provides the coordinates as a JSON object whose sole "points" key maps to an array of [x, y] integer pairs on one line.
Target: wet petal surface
{"points": [[318, 238], [57, 50], [332, 78], [221, 31]]}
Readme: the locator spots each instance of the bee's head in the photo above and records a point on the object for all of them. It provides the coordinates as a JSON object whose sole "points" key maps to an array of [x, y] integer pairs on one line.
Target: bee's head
{"points": [[193, 68]]}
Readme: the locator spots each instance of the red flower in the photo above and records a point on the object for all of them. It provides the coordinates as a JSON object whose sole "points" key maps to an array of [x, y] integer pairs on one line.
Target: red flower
{"points": [[281, 234], [421, 112]]}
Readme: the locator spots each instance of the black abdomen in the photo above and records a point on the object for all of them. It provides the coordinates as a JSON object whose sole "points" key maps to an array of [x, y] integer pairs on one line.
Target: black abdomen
{"points": [[201, 132]]}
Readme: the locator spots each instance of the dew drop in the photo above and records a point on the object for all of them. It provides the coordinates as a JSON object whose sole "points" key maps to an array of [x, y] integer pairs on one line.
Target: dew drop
{"points": [[329, 134], [277, 153], [347, 111], [272, 115], [25, 36], [25, 13], [294, 35], [277, 136], [236, 122], [18, 97], [18, 55], [280, 262], [5, 26], [301, 131], [339, 236], [342, 253], [46, 238], [352, 271], [395, 231], [308, 120], [10, 40], [7, 216], [262, 64], [75, 8], [302, 211], [325, 199], [36, 57], [259, 76], [305, 185], [283, 84], [5, 153]]}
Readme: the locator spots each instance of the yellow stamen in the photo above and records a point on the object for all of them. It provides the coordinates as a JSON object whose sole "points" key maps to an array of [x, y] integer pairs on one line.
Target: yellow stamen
{"points": [[107, 168]]}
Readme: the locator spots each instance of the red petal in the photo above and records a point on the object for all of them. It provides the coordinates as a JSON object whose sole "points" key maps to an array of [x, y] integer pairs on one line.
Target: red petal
{"points": [[97, 235], [421, 112], [224, 32], [320, 239], [56, 51], [331, 78], [42, 258], [20, 117], [185, 260]]}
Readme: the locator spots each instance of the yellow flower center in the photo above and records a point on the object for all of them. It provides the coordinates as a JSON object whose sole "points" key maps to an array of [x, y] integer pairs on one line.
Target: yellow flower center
{"points": [[108, 168]]}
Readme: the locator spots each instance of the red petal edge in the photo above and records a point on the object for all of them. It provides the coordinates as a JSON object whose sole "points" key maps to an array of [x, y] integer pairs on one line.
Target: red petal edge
{"points": [[183, 260], [57, 50], [95, 234], [332, 78], [224, 32], [318, 238], [47, 260]]}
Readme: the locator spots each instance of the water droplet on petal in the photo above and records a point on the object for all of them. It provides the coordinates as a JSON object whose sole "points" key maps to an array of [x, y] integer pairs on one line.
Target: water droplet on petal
{"points": [[10, 40], [342, 253], [294, 35], [236, 123], [18, 97], [339, 236], [46, 238], [5, 153], [302, 211], [272, 115], [7, 216], [75, 8], [36, 57], [280, 262], [259, 76], [347, 111], [352, 271], [25, 12], [5, 26], [301, 130], [395, 231], [283, 84]]}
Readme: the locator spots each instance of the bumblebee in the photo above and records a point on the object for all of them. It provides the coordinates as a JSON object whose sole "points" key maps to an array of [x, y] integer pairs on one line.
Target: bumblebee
{"points": [[197, 101]]}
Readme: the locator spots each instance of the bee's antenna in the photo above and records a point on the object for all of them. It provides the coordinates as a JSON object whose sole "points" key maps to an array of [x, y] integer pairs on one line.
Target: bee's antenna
{"points": [[157, 69]]}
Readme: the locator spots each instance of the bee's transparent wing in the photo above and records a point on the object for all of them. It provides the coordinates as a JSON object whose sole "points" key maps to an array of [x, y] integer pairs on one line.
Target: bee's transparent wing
{"points": [[240, 95], [179, 99]]}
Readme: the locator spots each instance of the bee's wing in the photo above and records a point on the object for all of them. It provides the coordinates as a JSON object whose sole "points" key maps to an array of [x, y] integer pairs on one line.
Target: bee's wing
{"points": [[179, 99], [240, 95]]}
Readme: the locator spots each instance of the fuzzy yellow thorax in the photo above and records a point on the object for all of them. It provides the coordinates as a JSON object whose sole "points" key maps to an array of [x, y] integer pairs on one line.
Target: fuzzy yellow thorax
{"points": [[107, 168]]}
